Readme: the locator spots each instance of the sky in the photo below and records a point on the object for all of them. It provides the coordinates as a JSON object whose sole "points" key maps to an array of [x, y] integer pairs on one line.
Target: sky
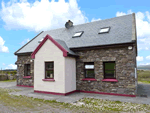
{"points": [[22, 20]]}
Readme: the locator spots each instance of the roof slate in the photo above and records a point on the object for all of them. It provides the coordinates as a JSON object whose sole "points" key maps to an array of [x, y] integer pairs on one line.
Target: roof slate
{"points": [[120, 32]]}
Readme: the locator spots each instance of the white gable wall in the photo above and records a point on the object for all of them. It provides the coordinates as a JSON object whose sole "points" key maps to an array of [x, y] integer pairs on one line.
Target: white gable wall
{"points": [[70, 74], [49, 52]]}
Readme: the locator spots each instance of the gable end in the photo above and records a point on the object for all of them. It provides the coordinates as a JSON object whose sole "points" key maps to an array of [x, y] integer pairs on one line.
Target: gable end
{"points": [[56, 43]]}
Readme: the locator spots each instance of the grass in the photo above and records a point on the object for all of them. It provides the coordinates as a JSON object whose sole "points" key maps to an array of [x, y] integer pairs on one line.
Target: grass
{"points": [[8, 80], [23, 103], [143, 76], [116, 106]]}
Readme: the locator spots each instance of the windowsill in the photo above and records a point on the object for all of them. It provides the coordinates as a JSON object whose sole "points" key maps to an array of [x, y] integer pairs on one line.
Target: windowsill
{"points": [[110, 80], [48, 79], [27, 77], [90, 79]]}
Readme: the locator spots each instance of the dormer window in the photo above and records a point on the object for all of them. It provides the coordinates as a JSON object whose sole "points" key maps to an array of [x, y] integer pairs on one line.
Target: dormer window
{"points": [[40, 40], [104, 30], [78, 34]]}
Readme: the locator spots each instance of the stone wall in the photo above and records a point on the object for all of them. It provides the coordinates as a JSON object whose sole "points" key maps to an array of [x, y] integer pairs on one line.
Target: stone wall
{"points": [[125, 70], [20, 70]]}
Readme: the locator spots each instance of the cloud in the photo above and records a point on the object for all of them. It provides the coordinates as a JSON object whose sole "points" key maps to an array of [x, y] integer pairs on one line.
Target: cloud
{"points": [[139, 58], [144, 64], [2, 47], [40, 15], [148, 57], [24, 41], [122, 13], [143, 28], [146, 48], [93, 19], [4, 64], [11, 66]]}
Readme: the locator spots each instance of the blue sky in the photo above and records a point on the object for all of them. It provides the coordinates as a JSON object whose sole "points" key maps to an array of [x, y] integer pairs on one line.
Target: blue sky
{"points": [[21, 20]]}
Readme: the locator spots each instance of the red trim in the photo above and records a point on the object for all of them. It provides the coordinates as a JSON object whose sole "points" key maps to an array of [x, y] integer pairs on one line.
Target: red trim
{"points": [[48, 79], [56, 43], [25, 86], [115, 94], [90, 79], [54, 93], [110, 80], [27, 77]]}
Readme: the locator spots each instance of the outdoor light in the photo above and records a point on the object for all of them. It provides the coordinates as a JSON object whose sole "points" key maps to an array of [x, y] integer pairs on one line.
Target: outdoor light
{"points": [[19, 65], [130, 47], [31, 60]]}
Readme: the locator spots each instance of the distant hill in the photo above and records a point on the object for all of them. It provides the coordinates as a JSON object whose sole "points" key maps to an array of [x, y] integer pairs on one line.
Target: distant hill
{"points": [[144, 67], [9, 70]]}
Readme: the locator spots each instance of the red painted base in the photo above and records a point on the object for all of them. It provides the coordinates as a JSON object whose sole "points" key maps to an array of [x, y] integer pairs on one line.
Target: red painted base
{"points": [[115, 94], [54, 93], [25, 86]]}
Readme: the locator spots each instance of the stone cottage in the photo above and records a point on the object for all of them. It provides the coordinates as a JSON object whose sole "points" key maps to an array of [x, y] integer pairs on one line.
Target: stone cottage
{"points": [[95, 57]]}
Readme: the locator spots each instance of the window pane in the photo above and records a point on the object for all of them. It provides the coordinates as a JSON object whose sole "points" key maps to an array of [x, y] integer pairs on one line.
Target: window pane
{"points": [[89, 66], [103, 30], [49, 65], [90, 73], [109, 71], [28, 67], [28, 73], [49, 74], [77, 34], [109, 66]]}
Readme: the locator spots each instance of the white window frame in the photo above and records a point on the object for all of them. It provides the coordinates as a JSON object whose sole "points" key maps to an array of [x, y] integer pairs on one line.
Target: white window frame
{"points": [[103, 30], [78, 34]]}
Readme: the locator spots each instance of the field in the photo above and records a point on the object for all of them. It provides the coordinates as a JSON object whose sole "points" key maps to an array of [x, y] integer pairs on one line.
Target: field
{"points": [[143, 76], [11, 104]]}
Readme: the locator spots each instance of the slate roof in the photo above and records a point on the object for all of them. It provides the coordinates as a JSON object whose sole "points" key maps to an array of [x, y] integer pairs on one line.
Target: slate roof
{"points": [[122, 30]]}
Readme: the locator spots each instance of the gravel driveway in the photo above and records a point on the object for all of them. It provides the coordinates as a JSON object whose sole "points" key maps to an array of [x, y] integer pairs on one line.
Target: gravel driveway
{"points": [[143, 89]]}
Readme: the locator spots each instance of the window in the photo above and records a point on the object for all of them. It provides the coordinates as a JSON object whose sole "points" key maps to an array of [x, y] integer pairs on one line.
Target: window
{"points": [[27, 70], [49, 70], [77, 34], [104, 30], [109, 70], [89, 70]]}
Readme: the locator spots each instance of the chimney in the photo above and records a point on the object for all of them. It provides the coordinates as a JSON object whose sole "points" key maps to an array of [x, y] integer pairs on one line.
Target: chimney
{"points": [[69, 24]]}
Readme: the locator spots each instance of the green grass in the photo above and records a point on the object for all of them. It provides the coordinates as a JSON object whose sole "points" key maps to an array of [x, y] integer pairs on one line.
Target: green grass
{"points": [[23, 103], [8, 80], [143, 76]]}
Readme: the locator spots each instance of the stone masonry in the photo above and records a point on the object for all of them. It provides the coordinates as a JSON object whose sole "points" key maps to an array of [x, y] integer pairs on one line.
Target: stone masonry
{"points": [[125, 60], [20, 70]]}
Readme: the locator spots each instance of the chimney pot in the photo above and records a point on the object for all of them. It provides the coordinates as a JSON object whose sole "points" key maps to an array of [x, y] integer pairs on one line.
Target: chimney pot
{"points": [[69, 24]]}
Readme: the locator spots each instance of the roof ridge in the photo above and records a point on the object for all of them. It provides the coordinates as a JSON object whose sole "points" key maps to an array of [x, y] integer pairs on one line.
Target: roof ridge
{"points": [[91, 22]]}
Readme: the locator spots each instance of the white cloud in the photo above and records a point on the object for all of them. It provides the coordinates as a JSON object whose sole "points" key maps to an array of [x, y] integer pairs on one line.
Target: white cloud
{"points": [[139, 58], [143, 28], [93, 19], [11, 66], [2, 47], [144, 64], [146, 48], [24, 41], [4, 64], [148, 57], [40, 15], [122, 13]]}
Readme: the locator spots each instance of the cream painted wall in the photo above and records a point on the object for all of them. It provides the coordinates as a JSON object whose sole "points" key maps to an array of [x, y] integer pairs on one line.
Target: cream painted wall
{"points": [[49, 52], [70, 74]]}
